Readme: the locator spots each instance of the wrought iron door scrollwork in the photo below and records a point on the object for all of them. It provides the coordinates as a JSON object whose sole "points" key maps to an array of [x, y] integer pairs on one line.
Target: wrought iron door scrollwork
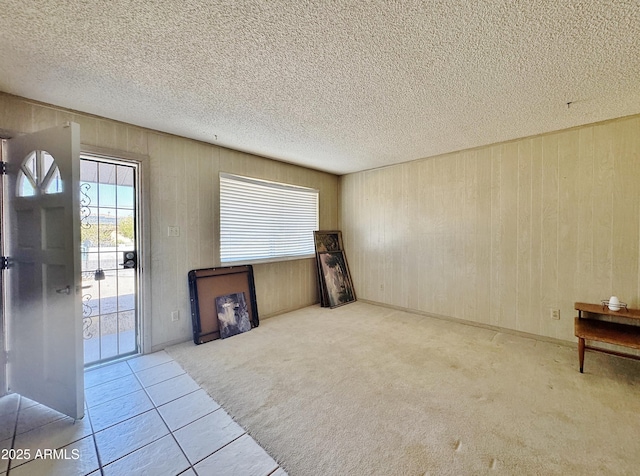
{"points": [[87, 320], [85, 201]]}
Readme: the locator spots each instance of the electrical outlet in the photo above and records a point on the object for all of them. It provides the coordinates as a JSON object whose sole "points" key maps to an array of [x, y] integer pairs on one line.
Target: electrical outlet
{"points": [[555, 314], [175, 316], [173, 231]]}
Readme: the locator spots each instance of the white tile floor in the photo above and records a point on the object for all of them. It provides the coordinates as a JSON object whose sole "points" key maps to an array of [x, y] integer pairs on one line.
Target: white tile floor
{"points": [[144, 416]]}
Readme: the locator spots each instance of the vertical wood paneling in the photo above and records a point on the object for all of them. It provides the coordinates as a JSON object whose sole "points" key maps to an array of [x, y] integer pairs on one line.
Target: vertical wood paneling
{"points": [[64, 116], [455, 254], [439, 211], [568, 198], [504, 233], [496, 237], [393, 229], [122, 136], [137, 140], [164, 249], [15, 114], [634, 152], [585, 283], [549, 237], [483, 236], [185, 198], [184, 192], [430, 274], [523, 268], [194, 212], [428, 232], [207, 203], [106, 134], [410, 208], [357, 184], [469, 236], [509, 235], [626, 212], [43, 118], [377, 206], [602, 201], [537, 278], [88, 129]]}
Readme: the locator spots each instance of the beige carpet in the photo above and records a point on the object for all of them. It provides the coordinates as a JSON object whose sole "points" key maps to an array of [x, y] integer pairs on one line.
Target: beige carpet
{"points": [[364, 390]]}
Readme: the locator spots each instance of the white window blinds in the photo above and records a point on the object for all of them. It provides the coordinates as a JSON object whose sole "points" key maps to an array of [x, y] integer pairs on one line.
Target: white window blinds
{"points": [[261, 220]]}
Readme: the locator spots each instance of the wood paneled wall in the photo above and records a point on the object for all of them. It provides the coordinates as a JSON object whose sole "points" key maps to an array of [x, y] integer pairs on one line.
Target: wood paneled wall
{"points": [[499, 235], [184, 191]]}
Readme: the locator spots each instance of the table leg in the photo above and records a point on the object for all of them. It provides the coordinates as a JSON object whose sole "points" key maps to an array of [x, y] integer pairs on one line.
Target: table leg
{"points": [[581, 352]]}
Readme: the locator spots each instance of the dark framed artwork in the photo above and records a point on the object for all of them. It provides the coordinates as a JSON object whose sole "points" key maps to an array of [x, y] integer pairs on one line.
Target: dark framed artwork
{"points": [[206, 286], [336, 277], [322, 289], [327, 240], [233, 315]]}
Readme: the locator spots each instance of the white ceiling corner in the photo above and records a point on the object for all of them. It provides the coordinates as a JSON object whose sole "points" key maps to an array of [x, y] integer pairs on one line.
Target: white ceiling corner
{"points": [[339, 86]]}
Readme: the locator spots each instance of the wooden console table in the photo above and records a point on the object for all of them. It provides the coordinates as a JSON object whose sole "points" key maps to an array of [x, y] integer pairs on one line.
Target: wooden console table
{"points": [[589, 327]]}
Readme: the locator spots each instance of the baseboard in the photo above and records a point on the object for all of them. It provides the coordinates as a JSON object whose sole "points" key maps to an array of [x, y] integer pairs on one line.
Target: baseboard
{"points": [[504, 330], [284, 311], [164, 345]]}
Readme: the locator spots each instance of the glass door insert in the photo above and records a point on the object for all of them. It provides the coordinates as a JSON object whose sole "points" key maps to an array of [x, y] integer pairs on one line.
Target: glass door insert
{"points": [[108, 200]]}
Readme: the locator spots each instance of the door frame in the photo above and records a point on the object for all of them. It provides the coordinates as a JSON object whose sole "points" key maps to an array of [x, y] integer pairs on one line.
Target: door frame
{"points": [[144, 242], [3, 321]]}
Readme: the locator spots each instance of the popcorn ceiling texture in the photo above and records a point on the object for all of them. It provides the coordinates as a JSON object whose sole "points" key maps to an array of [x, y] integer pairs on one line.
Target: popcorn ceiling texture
{"points": [[339, 86]]}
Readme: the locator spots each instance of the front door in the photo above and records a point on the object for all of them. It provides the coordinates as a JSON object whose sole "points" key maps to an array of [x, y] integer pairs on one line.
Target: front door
{"points": [[41, 233], [108, 216]]}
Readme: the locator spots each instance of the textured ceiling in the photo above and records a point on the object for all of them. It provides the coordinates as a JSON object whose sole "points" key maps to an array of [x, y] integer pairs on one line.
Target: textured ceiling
{"points": [[339, 86]]}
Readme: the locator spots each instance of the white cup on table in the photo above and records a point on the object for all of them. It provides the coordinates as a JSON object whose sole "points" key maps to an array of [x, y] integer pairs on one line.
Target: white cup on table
{"points": [[614, 303]]}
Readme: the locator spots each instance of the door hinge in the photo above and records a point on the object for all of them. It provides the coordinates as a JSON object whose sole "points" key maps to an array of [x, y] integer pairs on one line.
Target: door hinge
{"points": [[4, 262], [3, 168]]}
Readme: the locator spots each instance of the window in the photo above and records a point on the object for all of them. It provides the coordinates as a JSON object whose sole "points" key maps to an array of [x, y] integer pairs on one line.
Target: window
{"points": [[261, 220], [39, 175]]}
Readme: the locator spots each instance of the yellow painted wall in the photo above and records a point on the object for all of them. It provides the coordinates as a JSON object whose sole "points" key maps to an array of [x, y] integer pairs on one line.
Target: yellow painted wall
{"points": [[184, 191], [499, 235]]}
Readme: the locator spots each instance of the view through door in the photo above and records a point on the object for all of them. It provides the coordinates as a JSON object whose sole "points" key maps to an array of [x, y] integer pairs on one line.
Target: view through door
{"points": [[109, 258]]}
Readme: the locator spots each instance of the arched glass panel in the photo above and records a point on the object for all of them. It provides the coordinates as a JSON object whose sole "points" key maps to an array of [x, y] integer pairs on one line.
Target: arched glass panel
{"points": [[39, 175]]}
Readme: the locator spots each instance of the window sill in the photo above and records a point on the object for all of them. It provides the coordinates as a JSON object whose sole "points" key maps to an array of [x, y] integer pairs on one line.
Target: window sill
{"points": [[266, 260]]}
